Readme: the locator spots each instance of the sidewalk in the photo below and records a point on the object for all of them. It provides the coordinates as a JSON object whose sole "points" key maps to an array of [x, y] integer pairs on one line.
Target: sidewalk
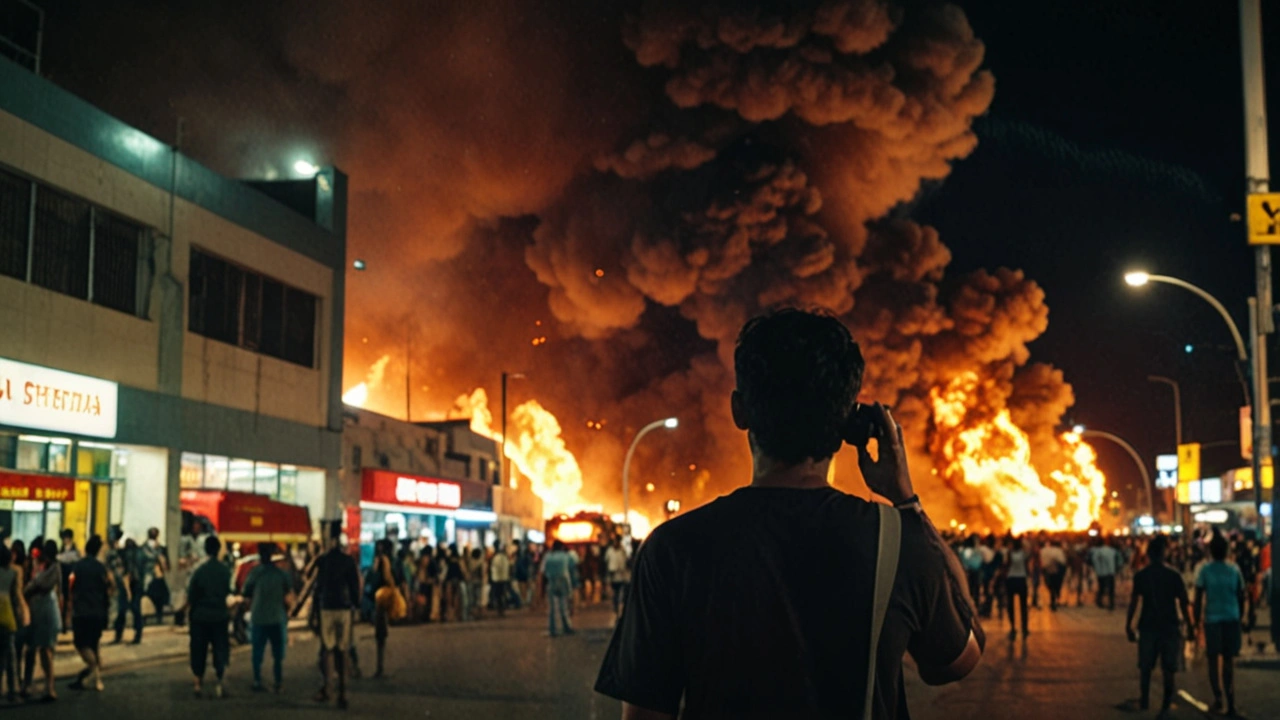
{"points": [[160, 643]]}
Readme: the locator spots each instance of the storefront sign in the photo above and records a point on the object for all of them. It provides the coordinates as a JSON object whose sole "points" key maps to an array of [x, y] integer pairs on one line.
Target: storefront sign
{"points": [[42, 398], [384, 486], [19, 486]]}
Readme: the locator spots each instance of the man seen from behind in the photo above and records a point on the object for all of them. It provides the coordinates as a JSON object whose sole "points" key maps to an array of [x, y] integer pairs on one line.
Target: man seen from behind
{"points": [[759, 604], [1159, 631], [337, 593]]}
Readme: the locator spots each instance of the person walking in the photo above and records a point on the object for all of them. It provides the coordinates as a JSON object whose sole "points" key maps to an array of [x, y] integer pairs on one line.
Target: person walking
{"points": [[1220, 607], [1106, 561], [1162, 594], [18, 563], [153, 568], [557, 572], [337, 594], [1053, 560], [522, 572], [1016, 572], [89, 596], [206, 606], [453, 579], [384, 578], [46, 618], [475, 575], [500, 577], [13, 614], [269, 591], [122, 563], [615, 562], [789, 598], [67, 556]]}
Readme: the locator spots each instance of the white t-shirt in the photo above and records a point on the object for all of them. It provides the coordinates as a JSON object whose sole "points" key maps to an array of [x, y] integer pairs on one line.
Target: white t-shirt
{"points": [[1017, 563], [988, 553], [1052, 558], [500, 568], [615, 560]]}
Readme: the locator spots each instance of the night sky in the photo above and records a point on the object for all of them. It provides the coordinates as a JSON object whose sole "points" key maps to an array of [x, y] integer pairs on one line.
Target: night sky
{"points": [[1114, 142]]}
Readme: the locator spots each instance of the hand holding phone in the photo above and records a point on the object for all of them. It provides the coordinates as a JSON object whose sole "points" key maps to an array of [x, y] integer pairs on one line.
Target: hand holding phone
{"points": [[887, 474]]}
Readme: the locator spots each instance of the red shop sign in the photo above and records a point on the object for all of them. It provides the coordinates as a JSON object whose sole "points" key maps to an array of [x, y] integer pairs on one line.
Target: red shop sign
{"points": [[21, 486], [393, 488]]}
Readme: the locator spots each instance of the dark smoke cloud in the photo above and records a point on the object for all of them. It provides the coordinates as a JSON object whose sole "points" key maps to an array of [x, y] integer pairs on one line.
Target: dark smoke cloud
{"points": [[600, 194]]}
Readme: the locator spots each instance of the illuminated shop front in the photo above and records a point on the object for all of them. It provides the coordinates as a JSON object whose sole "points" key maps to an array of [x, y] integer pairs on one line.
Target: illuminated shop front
{"points": [[59, 465], [418, 509]]}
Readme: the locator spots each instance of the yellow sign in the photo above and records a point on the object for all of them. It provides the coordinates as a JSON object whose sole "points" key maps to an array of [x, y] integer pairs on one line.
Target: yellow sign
{"points": [[1244, 478], [1189, 462], [1264, 218]]}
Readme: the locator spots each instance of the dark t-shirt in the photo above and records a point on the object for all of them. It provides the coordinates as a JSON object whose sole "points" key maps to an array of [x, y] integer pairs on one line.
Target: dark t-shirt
{"points": [[759, 605], [207, 591], [337, 581], [1161, 589], [89, 596]]}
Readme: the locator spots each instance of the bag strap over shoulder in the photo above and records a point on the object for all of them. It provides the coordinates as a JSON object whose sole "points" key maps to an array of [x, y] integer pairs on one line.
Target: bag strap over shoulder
{"points": [[886, 573]]}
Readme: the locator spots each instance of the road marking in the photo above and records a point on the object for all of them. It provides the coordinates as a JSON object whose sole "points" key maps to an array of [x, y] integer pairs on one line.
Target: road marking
{"points": [[1202, 707]]}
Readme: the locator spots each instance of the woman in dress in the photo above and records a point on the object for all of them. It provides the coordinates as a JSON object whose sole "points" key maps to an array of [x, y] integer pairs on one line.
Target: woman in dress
{"points": [[46, 614]]}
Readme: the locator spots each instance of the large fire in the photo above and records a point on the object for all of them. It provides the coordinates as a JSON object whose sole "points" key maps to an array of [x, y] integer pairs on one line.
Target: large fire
{"points": [[992, 456], [538, 453]]}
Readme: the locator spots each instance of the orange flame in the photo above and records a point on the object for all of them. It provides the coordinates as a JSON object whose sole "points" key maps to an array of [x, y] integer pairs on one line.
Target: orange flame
{"points": [[992, 457]]}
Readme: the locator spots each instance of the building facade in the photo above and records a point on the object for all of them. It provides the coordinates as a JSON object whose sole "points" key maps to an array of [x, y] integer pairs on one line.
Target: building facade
{"points": [[429, 483], [167, 328]]}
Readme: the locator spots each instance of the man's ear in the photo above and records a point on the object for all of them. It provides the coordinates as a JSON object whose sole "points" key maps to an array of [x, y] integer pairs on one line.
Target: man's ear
{"points": [[739, 410]]}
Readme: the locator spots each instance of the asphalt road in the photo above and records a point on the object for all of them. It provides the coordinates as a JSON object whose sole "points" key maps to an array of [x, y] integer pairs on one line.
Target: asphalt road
{"points": [[1076, 664]]}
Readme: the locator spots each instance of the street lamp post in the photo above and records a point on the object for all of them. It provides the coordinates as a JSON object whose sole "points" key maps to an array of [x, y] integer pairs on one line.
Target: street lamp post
{"points": [[505, 471], [670, 424], [1137, 459], [1177, 430]]}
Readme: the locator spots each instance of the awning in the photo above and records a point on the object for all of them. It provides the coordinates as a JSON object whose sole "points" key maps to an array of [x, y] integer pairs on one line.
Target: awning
{"points": [[246, 517]]}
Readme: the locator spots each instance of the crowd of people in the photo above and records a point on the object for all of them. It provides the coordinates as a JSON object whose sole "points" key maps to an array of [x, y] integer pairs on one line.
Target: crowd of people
{"points": [[1205, 587], [56, 587]]}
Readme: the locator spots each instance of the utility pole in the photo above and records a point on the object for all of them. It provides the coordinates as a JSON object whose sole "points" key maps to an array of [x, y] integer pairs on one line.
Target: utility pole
{"points": [[505, 472], [1258, 180], [408, 365]]}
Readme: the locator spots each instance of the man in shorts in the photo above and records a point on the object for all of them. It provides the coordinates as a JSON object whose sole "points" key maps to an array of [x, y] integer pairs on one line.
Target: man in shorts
{"points": [[1159, 634], [1220, 606], [337, 593], [91, 587]]}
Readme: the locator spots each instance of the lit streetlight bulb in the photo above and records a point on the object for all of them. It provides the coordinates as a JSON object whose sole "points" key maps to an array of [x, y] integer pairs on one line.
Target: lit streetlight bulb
{"points": [[1137, 278], [302, 167], [671, 423]]}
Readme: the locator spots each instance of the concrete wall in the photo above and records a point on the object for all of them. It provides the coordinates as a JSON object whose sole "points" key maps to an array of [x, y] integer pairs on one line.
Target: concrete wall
{"points": [[48, 328]]}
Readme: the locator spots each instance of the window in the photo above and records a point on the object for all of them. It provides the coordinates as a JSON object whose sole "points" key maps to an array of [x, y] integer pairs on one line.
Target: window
{"points": [[357, 461], [241, 307], [60, 255], [266, 479], [15, 212], [241, 479], [191, 472], [73, 247], [115, 262]]}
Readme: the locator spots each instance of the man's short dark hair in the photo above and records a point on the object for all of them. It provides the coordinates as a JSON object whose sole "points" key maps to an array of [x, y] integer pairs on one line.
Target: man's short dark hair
{"points": [[1156, 548], [67, 533], [92, 547], [1218, 547], [212, 545], [266, 551], [798, 375]]}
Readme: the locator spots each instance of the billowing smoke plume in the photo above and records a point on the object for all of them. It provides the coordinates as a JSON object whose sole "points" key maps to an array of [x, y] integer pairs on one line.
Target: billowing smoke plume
{"points": [[598, 195]]}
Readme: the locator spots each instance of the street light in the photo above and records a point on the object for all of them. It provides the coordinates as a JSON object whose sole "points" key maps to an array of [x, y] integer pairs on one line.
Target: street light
{"points": [[505, 470], [305, 168], [668, 423], [1137, 459], [1139, 278], [1177, 429]]}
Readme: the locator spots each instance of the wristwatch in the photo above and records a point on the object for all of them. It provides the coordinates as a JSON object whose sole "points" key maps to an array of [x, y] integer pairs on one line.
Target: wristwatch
{"points": [[911, 503]]}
